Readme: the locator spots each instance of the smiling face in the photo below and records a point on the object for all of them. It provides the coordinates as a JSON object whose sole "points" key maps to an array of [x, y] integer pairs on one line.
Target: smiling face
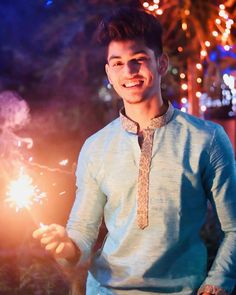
{"points": [[134, 70]]}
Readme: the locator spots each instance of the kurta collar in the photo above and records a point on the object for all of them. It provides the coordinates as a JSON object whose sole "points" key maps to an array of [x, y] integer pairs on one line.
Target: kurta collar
{"points": [[157, 122]]}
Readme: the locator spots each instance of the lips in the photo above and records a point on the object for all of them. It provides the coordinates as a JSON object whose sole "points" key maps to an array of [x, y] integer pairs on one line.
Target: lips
{"points": [[133, 83]]}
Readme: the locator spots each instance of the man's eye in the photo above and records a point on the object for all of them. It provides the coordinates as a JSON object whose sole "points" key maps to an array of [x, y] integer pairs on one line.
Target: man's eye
{"points": [[117, 64], [141, 59]]}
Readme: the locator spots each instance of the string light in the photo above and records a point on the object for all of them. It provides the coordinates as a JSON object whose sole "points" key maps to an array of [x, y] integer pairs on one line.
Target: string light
{"points": [[203, 53], [187, 12], [180, 49], [184, 86], [184, 26], [215, 33], [145, 4], [182, 75], [159, 11], [198, 66], [199, 80], [208, 44], [198, 94]]}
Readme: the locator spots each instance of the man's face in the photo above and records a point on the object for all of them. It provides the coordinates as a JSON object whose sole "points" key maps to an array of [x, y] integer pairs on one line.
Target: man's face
{"points": [[132, 69]]}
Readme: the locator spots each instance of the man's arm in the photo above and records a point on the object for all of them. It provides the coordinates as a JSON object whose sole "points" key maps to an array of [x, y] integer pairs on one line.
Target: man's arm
{"points": [[220, 185]]}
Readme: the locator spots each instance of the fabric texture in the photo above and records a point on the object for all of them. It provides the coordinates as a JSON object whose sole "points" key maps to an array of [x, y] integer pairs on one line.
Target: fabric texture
{"points": [[191, 162]]}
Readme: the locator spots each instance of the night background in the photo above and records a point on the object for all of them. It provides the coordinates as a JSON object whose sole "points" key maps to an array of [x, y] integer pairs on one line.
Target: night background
{"points": [[54, 94]]}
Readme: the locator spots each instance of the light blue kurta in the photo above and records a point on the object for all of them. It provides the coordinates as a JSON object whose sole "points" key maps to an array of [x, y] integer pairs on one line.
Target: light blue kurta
{"points": [[192, 161]]}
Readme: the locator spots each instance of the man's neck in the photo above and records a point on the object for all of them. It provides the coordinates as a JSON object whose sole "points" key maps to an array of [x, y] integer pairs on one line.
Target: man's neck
{"points": [[143, 112]]}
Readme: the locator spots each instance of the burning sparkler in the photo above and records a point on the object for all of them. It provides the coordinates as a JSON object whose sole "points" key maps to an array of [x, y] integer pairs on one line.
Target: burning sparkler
{"points": [[22, 193]]}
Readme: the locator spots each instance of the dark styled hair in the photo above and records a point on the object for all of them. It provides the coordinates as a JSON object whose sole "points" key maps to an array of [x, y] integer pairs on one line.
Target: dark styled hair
{"points": [[130, 24]]}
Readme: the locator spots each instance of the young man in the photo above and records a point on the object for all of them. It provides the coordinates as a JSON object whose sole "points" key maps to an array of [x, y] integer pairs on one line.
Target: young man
{"points": [[149, 173]]}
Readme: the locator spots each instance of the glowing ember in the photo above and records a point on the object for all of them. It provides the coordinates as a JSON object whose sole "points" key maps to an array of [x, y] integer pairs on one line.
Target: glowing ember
{"points": [[22, 193]]}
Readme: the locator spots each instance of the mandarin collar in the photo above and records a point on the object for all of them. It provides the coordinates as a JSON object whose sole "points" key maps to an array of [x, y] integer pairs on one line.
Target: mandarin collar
{"points": [[157, 122]]}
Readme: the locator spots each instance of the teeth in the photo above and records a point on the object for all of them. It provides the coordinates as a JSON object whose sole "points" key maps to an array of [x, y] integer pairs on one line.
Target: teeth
{"points": [[132, 83]]}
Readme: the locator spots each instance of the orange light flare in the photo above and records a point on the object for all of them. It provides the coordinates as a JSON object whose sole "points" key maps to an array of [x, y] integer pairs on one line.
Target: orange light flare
{"points": [[22, 193]]}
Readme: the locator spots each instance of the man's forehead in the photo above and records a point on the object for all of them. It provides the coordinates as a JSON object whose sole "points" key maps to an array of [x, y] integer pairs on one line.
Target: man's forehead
{"points": [[121, 48]]}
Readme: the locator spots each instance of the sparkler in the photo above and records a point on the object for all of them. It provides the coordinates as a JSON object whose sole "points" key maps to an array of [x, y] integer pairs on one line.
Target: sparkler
{"points": [[22, 193]]}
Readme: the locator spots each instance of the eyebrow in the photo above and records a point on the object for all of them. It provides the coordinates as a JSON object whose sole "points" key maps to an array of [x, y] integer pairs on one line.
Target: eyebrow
{"points": [[135, 53]]}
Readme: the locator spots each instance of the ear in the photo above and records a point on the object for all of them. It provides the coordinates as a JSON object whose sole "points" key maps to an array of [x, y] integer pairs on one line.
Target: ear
{"points": [[108, 73], [163, 64]]}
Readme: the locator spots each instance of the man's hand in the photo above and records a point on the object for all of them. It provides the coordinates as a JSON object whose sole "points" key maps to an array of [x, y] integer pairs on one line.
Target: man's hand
{"points": [[54, 238]]}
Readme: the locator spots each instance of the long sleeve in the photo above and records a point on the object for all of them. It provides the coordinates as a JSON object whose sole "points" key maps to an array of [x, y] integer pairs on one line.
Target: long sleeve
{"points": [[87, 212], [220, 185]]}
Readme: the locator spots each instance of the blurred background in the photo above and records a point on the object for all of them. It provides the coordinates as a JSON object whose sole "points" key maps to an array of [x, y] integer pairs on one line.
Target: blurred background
{"points": [[54, 94]]}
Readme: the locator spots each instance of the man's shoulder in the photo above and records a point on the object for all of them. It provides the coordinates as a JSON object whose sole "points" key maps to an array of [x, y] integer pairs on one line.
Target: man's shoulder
{"points": [[108, 132], [196, 124]]}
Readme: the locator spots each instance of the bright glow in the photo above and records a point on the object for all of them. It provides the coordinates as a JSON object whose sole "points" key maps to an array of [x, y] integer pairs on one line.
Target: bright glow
{"points": [[156, 6], [218, 21], [187, 12], [151, 8], [184, 86], [215, 33], [199, 66], [184, 100], [226, 47], [184, 109], [64, 162], [203, 53], [156, 1], [198, 94], [203, 108], [229, 81], [199, 80], [159, 11], [180, 49], [22, 193], [222, 7], [182, 75], [184, 26], [208, 44], [145, 4]]}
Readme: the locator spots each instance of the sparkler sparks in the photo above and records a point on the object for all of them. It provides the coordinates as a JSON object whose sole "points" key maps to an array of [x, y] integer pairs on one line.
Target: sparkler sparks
{"points": [[22, 193]]}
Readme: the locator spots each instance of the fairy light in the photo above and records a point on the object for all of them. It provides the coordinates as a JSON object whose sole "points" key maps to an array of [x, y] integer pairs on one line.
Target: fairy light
{"points": [[198, 94], [155, 6], [218, 21], [182, 75], [184, 109], [180, 49], [208, 43], [198, 66], [184, 100], [226, 47], [184, 26], [221, 6], [159, 11], [203, 53], [215, 33], [151, 8], [187, 12], [156, 1], [184, 86], [203, 108], [199, 80], [145, 4]]}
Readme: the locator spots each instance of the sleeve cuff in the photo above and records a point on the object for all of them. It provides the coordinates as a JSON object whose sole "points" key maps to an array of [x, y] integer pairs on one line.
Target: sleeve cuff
{"points": [[214, 290]]}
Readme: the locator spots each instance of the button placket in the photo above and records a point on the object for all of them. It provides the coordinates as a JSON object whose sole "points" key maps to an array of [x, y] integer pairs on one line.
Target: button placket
{"points": [[143, 178]]}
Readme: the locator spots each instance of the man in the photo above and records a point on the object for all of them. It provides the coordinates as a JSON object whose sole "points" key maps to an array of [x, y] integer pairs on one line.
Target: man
{"points": [[149, 173]]}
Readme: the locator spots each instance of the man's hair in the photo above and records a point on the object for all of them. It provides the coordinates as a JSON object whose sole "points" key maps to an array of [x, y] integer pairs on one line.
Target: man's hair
{"points": [[130, 24]]}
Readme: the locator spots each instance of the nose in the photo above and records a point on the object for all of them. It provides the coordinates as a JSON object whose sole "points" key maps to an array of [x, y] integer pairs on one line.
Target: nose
{"points": [[131, 68]]}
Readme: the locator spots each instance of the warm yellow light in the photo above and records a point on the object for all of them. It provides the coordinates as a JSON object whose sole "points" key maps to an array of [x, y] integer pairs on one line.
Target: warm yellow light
{"points": [[198, 66], [151, 8], [227, 31], [155, 6], [145, 4], [208, 44], [215, 33], [199, 80], [218, 21], [159, 11], [222, 7], [182, 75], [156, 1], [187, 12], [203, 53], [184, 26], [198, 94], [180, 49], [184, 86]]}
